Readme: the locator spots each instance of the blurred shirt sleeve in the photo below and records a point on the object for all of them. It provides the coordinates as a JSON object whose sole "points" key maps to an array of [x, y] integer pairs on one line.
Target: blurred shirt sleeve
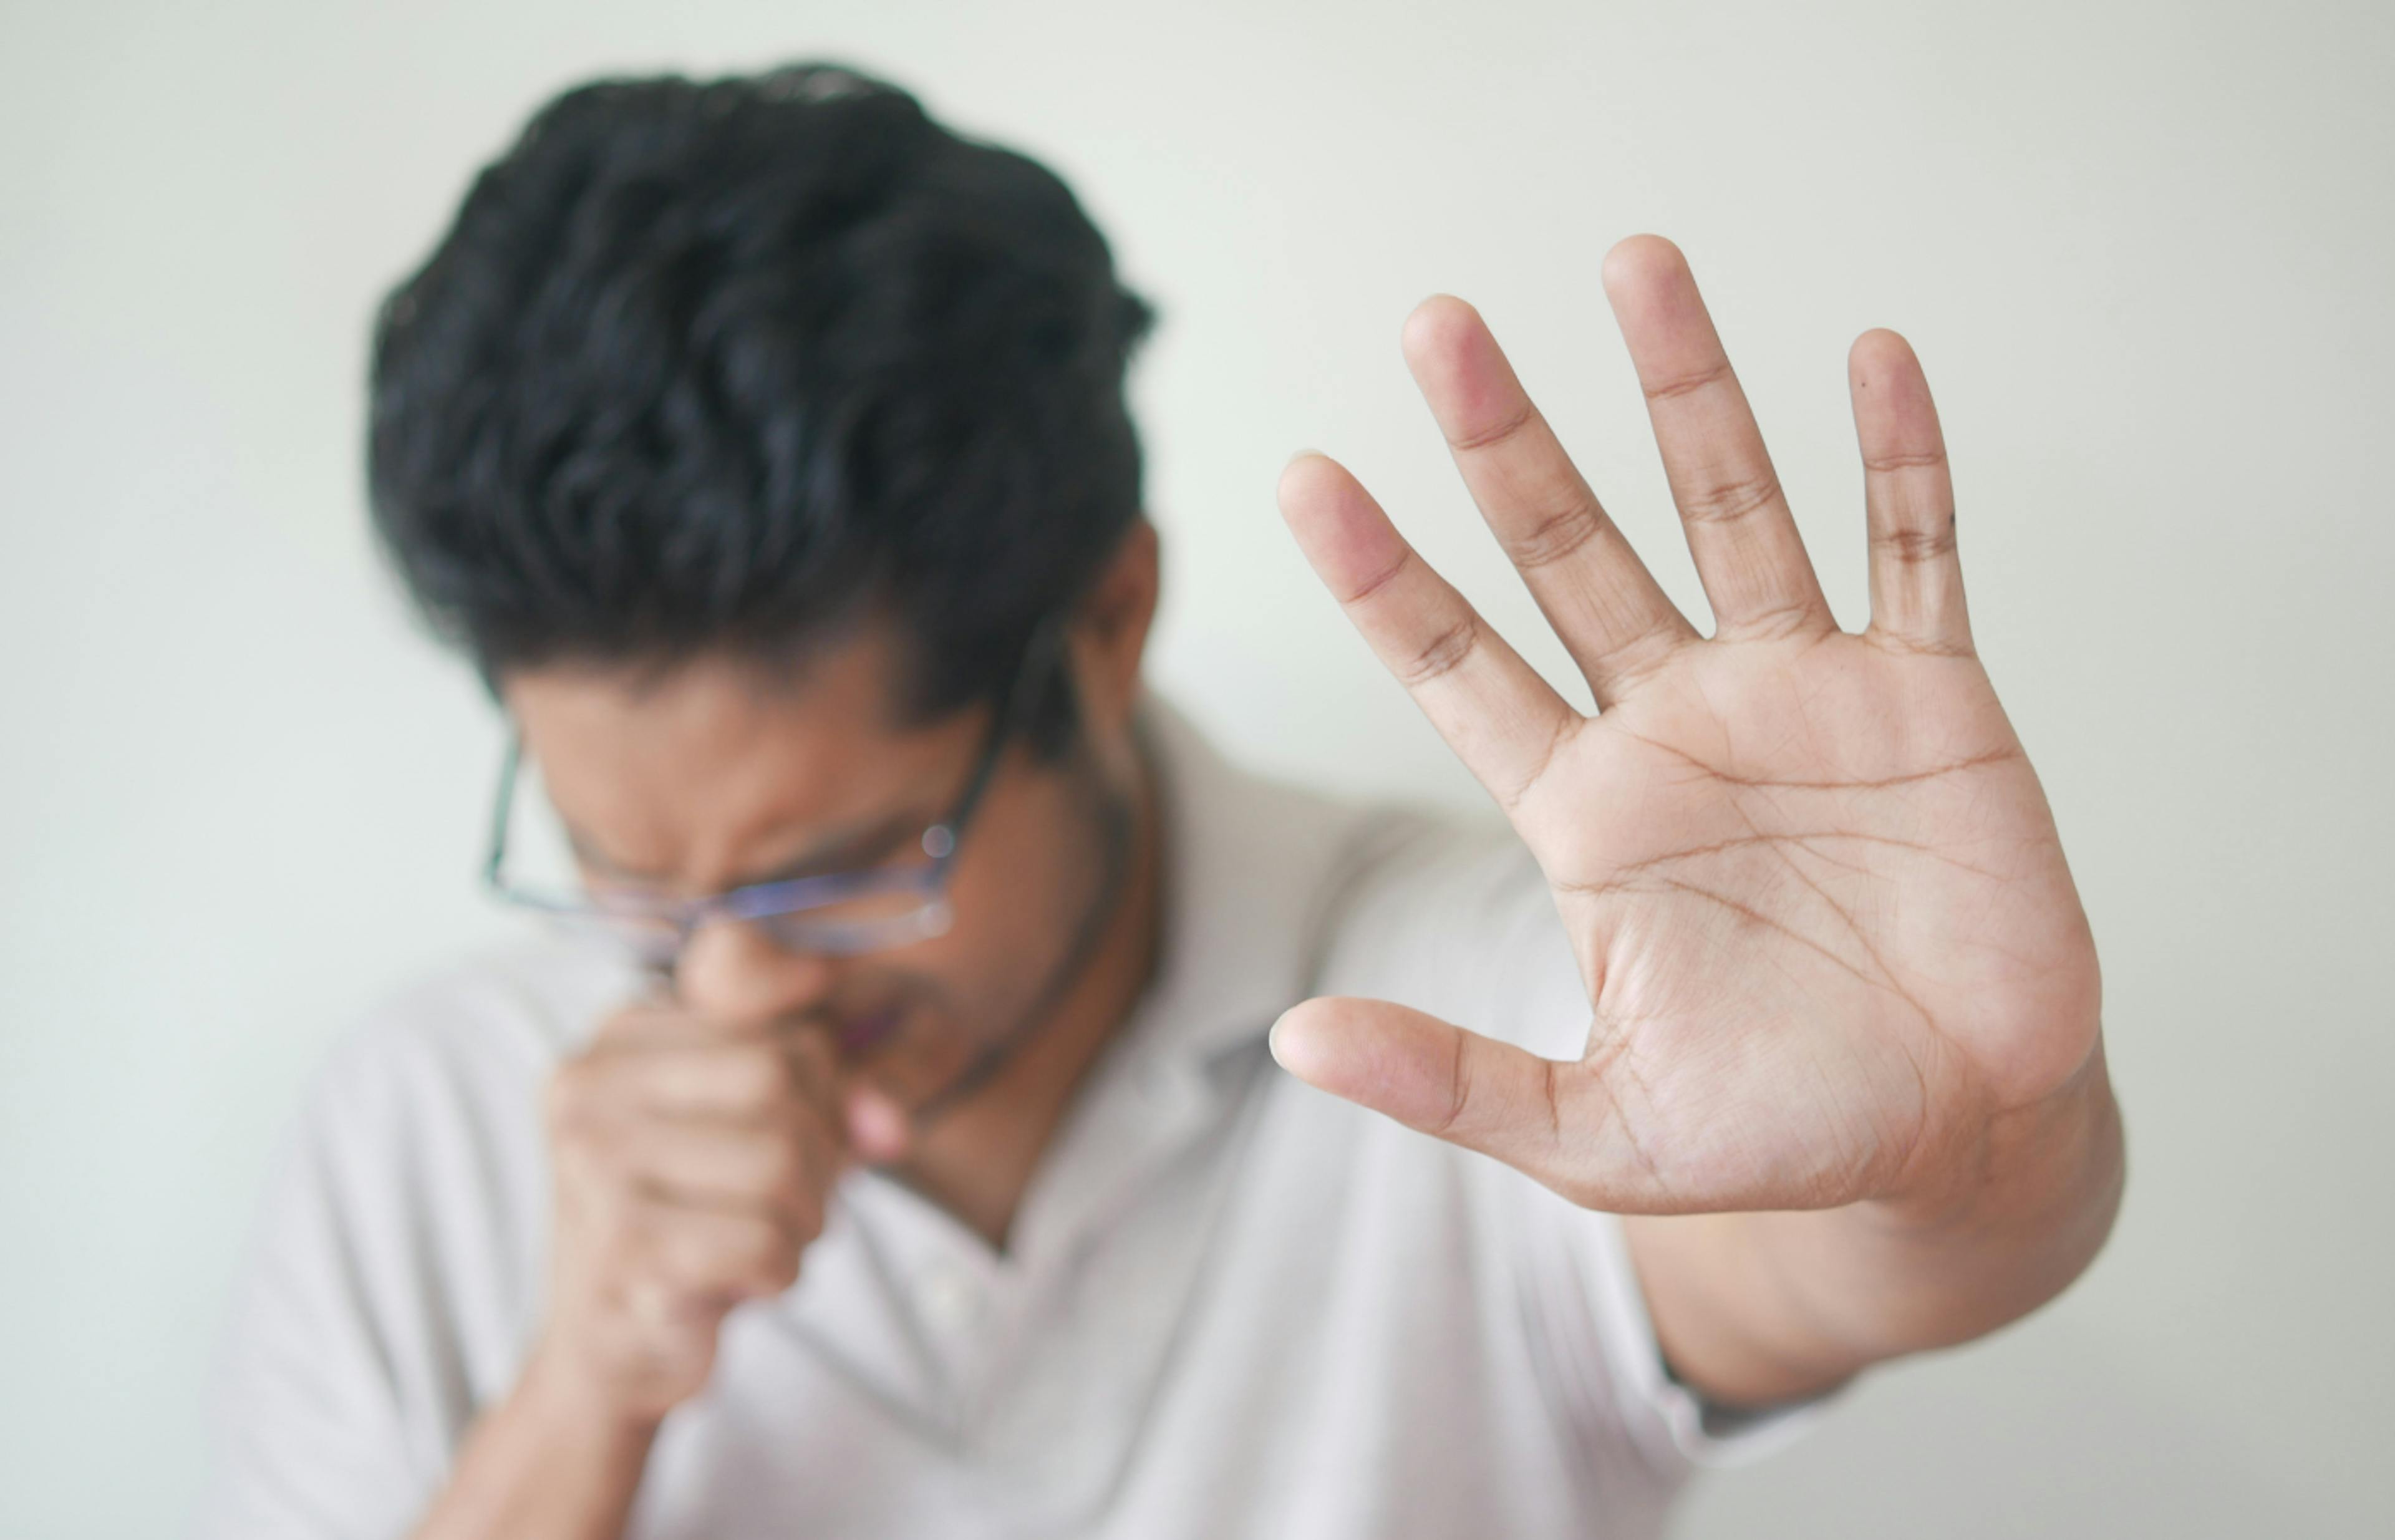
{"points": [[390, 1284]]}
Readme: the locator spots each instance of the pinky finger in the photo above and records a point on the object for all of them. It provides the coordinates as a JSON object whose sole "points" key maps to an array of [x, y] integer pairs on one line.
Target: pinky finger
{"points": [[1916, 579]]}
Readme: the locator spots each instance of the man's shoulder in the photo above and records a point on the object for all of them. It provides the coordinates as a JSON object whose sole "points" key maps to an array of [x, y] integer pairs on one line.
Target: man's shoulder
{"points": [[477, 1031], [1350, 846], [1277, 888], [1450, 913], [1441, 908]]}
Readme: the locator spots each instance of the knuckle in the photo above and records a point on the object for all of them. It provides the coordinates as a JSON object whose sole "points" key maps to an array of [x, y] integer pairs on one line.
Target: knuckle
{"points": [[1558, 533], [638, 1260], [685, 1259], [774, 1266], [755, 1075], [1642, 657], [779, 1164], [1903, 644], [1911, 545], [676, 1272], [1379, 580], [1496, 432], [1675, 386], [1565, 727], [1728, 499], [1442, 654], [1775, 620]]}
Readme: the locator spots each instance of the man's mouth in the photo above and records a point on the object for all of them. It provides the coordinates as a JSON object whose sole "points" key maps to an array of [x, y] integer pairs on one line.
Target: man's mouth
{"points": [[861, 1035]]}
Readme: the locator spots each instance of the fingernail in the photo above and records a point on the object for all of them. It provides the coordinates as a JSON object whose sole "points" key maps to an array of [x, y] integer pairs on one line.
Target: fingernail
{"points": [[1273, 1041]]}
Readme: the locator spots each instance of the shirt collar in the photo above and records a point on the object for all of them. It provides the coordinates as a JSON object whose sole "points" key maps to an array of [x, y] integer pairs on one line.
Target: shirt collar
{"points": [[1250, 867]]}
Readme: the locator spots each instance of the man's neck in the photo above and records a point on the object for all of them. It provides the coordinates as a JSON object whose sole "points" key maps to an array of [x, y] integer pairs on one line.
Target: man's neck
{"points": [[978, 1158]]}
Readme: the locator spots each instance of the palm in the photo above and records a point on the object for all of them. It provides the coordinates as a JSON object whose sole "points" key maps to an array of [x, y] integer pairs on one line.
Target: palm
{"points": [[1814, 888], [1889, 907]]}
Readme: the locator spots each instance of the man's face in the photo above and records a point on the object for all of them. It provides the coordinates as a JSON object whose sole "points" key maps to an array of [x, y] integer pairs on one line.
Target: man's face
{"points": [[719, 775]]}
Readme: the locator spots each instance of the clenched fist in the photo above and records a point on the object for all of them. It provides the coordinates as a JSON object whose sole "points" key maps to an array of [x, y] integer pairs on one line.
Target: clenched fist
{"points": [[693, 1164], [694, 1159]]}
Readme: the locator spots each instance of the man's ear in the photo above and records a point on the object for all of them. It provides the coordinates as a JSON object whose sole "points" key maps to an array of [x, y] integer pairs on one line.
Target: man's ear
{"points": [[1109, 630]]}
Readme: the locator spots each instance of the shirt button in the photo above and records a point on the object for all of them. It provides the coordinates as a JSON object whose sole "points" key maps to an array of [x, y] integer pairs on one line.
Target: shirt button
{"points": [[950, 1301]]}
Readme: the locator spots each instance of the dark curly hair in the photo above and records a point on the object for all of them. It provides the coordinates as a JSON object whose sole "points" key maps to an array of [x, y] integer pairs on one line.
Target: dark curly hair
{"points": [[729, 364]]}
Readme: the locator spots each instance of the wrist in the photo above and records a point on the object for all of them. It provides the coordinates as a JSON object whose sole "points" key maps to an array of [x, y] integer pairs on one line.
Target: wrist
{"points": [[1990, 1239], [561, 1394], [553, 1461], [2018, 1165], [1998, 1236]]}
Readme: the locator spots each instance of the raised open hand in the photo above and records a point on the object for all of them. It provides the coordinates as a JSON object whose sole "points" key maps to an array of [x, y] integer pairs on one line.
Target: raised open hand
{"points": [[1816, 892]]}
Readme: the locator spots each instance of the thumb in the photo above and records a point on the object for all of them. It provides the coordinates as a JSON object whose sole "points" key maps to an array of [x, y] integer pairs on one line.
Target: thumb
{"points": [[1456, 1085]]}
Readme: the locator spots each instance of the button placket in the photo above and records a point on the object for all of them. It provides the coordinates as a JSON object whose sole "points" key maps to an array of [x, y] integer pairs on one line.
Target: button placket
{"points": [[951, 1301]]}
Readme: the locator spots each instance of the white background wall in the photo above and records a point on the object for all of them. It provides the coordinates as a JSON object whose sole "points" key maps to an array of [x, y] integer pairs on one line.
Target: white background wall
{"points": [[2143, 250]]}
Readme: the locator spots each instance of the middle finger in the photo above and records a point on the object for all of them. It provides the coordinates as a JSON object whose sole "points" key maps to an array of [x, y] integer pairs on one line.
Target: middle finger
{"points": [[1613, 615], [1744, 539]]}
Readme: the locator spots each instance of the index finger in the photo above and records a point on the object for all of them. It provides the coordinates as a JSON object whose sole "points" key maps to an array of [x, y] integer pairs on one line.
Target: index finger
{"points": [[732, 1080], [1502, 719], [678, 1061], [1916, 581]]}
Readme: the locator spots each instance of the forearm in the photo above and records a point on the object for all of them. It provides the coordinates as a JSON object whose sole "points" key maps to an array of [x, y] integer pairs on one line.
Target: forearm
{"points": [[546, 1463], [1752, 1308]]}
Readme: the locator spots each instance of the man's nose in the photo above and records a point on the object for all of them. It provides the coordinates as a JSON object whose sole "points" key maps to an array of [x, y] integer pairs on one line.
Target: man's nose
{"points": [[735, 973]]}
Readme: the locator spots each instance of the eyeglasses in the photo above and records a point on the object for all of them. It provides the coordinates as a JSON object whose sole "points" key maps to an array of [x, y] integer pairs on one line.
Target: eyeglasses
{"points": [[839, 914]]}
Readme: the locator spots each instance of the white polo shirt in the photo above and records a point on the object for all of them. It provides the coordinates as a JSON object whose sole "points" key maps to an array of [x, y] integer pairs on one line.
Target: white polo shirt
{"points": [[1231, 1304]]}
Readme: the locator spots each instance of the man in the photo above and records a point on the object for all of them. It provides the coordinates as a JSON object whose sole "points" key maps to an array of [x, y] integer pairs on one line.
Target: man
{"points": [[912, 1158]]}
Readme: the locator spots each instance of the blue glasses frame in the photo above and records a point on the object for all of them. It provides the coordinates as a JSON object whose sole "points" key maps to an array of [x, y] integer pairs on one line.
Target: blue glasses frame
{"points": [[659, 927]]}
